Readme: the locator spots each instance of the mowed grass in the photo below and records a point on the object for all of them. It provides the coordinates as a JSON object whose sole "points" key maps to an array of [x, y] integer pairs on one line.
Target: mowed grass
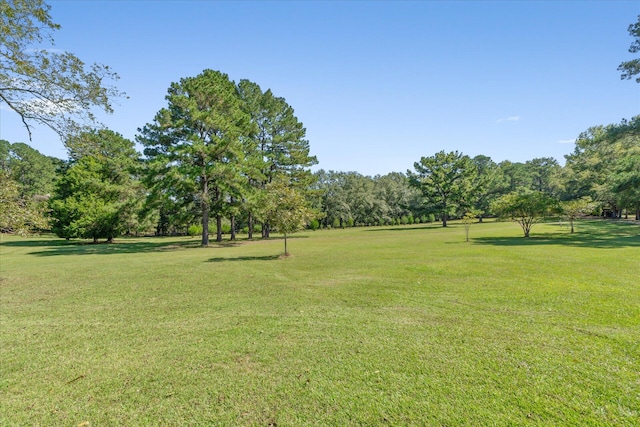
{"points": [[367, 326]]}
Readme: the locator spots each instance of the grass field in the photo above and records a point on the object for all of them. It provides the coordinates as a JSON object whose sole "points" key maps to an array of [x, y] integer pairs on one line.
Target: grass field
{"points": [[367, 326]]}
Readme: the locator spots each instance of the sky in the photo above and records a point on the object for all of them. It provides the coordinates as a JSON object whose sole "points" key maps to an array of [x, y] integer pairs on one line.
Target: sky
{"points": [[377, 84]]}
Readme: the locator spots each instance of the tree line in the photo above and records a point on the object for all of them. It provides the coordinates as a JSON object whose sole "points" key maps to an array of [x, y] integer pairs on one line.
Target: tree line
{"points": [[224, 157], [601, 177], [230, 160]]}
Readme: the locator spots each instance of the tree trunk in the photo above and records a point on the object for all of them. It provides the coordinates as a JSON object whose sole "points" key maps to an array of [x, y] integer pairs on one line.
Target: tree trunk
{"points": [[444, 219], [218, 228], [285, 245], [571, 222], [233, 227], [205, 213], [250, 226]]}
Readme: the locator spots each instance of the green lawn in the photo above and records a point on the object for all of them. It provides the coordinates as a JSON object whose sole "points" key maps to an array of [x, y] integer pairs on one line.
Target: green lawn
{"points": [[368, 326]]}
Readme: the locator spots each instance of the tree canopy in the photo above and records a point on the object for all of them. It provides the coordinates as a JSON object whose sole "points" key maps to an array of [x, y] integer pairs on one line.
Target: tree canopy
{"points": [[285, 208], [196, 140], [95, 194], [526, 207], [43, 85], [446, 181]]}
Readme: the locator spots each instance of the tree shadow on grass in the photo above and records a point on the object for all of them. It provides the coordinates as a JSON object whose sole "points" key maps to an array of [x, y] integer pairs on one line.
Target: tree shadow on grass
{"points": [[245, 258], [405, 227], [592, 234], [53, 247]]}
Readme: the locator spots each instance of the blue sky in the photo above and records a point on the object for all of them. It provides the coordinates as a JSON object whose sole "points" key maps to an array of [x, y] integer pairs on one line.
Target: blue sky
{"points": [[376, 84]]}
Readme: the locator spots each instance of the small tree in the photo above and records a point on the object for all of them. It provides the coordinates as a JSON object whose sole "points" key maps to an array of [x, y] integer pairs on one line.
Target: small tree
{"points": [[285, 209], [527, 208], [468, 219], [573, 209]]}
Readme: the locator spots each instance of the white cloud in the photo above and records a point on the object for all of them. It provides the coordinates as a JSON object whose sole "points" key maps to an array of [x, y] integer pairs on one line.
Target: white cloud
{"points": [[509, 119], [566, 141]]}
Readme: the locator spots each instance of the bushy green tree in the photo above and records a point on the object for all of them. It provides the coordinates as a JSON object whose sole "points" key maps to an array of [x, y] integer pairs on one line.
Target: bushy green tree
{"points": [[446, 181], [275, 144], [34, 172], [96, 193], [19, 213], [604, 164], [194, 145], [285, 208], [488, 185], [526, 207], [542, 172]]}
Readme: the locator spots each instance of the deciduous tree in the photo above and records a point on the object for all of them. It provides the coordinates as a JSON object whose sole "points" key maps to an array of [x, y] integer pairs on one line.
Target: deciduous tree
{"points": [[43, 85], [603, 166], [19, 213], [526, 207], [285, 208], [574, 209]]}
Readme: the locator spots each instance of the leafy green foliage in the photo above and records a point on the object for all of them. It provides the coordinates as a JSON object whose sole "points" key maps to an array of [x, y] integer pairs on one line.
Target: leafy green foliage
{"points": [[604, 166], [574, 209], [19, 213], [42, 85], [97, 195], [467, 219], [194, 145], [364, 200], [527, 208], [34, 172], [446, 181], [285, 208], [275, 145]]}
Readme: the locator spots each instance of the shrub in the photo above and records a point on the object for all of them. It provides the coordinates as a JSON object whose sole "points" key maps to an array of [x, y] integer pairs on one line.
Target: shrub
{"points": [[314, 224], [194, 230]]}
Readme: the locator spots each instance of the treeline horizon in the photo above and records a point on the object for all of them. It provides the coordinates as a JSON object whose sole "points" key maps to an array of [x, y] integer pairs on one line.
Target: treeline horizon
{"points": [[604, 167], [230, 156]]}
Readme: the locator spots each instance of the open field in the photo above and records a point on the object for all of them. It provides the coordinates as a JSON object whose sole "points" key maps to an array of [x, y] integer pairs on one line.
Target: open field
{"points": [[367, 326]]}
